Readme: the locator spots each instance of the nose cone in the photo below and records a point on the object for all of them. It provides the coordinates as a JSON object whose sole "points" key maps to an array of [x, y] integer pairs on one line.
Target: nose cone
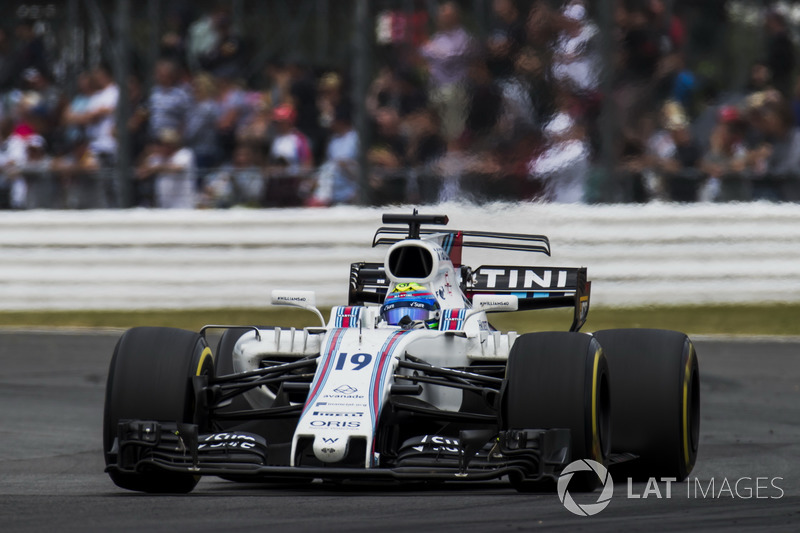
{"points": [[330, 449]]}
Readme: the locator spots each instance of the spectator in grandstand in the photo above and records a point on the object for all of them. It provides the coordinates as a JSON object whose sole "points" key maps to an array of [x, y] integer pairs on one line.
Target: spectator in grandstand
{"points": [[171, 169], [278, 81], [329, 97], [234, 112], [100, 117], [780, 53], [425, 147], [291, 151], [173, 37], [388, 148], [303, 93], [399, 89], [678, 82], [29, 51], [387, 156], [562, 167], [759, 79], [448, 55], [46, 97], [36, 171], [528, 98], [575, 65], [242, 182], [168, 102], [80, 185], [425, 143], [74, 117], [337, 177], [541, 25], [776, 154], [21, 130], [484, 106], [225, 58], [506, 38], [26, 175], [640, 54], [726, 156], [202, 38], [669, 26], [378, 90], [641, 46], [674, 156], [200, 133], [137, 123], [258, 130]]}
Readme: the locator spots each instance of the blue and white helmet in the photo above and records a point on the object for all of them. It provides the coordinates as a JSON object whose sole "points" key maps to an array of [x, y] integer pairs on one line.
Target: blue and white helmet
{"points": [[410, 300]]}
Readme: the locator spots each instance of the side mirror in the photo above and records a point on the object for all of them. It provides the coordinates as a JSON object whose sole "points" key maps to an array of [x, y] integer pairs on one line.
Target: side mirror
{"points": [[302, 299]]}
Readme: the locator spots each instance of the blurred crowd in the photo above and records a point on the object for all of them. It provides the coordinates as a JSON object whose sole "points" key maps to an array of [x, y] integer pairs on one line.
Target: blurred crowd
{"points": [[515, 115]]}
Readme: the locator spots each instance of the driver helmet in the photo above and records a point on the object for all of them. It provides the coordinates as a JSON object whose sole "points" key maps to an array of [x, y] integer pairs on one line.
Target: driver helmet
{"points": [[412, 300]]}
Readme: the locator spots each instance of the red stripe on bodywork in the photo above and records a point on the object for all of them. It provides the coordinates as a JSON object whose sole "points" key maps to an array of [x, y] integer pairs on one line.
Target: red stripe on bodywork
{"points": [[328, 359], [376, 387]]}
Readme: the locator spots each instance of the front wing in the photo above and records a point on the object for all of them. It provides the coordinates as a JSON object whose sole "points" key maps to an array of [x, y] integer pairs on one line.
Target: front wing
{"points": [[476, 455]]}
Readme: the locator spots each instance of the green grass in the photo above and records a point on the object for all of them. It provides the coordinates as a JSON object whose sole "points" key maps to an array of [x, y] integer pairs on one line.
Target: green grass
{"points": [[778, 319]]}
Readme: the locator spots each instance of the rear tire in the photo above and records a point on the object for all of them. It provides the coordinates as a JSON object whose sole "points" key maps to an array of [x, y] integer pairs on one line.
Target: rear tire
{"points": [[655, 397], [560, 380], [150, 378]]}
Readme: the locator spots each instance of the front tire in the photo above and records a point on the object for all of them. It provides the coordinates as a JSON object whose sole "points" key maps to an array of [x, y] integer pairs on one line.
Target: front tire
{"points": [[655, 397], [560, 380], [150, 378]]}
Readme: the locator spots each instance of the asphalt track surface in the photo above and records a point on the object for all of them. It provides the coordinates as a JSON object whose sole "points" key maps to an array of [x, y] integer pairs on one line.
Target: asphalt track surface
{"points": [[51, 466]]}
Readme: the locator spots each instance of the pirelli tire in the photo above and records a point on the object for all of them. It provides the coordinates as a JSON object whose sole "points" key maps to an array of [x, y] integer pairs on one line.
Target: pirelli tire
{"points": [[655, 398], [560, 380], [150, 378]]}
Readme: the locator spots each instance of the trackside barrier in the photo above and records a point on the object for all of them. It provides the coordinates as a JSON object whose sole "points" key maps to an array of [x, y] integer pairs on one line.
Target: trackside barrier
{"points": [[636, 255]]}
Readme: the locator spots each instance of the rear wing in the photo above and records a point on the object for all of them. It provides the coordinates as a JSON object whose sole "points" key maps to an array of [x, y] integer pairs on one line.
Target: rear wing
{"points": [[535, 287]]}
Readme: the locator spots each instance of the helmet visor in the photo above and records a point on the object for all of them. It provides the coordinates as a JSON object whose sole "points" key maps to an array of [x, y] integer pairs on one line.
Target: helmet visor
{"points": [[394, 315]]}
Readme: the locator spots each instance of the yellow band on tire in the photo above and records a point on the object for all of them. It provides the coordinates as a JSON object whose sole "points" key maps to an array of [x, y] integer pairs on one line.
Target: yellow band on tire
{"points": [[206, 353], [598, 452], [686, 374]]}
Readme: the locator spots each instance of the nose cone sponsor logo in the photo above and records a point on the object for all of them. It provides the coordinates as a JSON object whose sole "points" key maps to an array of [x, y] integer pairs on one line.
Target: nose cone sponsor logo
{"points": [[345, 389], [586, 509]]}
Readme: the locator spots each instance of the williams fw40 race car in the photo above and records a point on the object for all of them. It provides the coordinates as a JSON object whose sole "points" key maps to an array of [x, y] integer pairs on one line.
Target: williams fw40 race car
{"points": [[407, 382]]}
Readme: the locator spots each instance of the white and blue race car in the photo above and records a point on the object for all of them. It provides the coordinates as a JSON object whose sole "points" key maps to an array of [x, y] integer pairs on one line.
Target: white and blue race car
{"points": [[408, 382]]}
